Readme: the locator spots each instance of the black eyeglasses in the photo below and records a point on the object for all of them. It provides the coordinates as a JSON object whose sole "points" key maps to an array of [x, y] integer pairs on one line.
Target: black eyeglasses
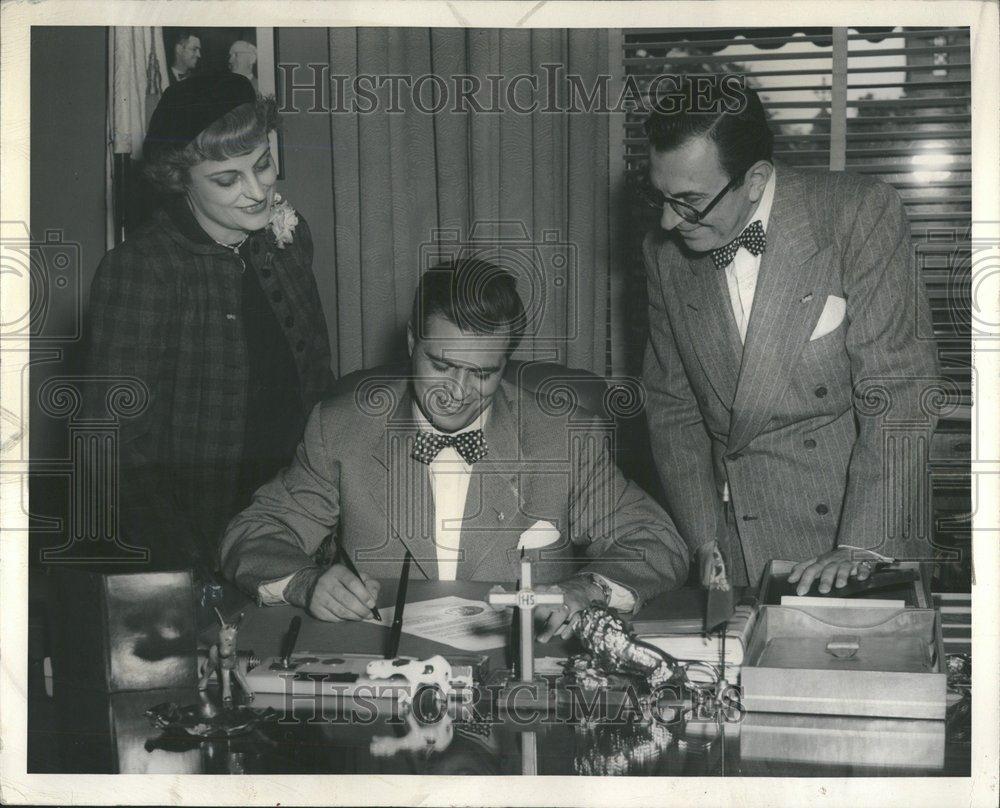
{"points": [[657, 199]]}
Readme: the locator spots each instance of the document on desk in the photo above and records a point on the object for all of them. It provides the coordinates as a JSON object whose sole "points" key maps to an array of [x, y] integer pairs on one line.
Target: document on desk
{"points": [[470, 625]]}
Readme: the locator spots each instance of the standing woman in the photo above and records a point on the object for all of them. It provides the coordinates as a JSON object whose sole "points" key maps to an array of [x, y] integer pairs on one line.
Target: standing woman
{"points": [[213, 307]]}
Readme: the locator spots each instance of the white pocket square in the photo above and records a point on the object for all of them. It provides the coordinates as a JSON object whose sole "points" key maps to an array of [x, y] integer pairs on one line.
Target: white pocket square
{"points": [[540, 534], [833, 315]]}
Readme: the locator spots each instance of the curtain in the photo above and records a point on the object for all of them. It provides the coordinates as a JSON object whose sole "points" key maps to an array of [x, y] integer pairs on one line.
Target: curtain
{"points": [[137, 74], [414, 187]]}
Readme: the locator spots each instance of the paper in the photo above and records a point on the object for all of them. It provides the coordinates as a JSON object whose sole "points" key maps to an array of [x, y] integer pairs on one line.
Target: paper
{"points": [[470, 625]]}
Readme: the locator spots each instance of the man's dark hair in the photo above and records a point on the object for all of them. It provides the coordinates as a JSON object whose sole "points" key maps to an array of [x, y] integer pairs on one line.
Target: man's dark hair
{"points": [[742, 136], [477, 296], [182, 36]]}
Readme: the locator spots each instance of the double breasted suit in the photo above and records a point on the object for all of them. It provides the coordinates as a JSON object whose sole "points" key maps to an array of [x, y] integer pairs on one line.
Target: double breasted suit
{"points": [[353, 472], [808, 433]]}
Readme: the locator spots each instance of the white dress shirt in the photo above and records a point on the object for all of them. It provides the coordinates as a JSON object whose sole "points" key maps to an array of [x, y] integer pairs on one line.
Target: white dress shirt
{"points": [[741, 274], [449, 476]]}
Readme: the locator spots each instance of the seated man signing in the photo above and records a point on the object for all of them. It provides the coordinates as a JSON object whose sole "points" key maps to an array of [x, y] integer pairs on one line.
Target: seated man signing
{"points": [[452, 462]]}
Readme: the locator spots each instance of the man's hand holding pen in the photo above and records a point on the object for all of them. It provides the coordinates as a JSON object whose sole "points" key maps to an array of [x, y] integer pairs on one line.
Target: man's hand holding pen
{"points": [[334, 593]]}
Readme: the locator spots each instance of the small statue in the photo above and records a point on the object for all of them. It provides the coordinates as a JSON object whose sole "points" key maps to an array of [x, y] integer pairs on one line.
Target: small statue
{"points": [[224, 660], [615, 649], [435, 673]]}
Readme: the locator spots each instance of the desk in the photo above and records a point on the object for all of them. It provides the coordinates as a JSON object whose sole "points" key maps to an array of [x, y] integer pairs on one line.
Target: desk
{"points": [[262, 629], [85, 731]]}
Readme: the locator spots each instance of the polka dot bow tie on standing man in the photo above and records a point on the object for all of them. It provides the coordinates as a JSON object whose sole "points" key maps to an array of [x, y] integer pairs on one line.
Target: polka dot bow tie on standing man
{"points": [[470, 445], [752, 238]]}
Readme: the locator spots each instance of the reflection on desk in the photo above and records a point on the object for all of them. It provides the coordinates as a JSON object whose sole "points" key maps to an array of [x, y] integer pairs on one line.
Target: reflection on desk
{"points": [[88, 731], [111, 733]]}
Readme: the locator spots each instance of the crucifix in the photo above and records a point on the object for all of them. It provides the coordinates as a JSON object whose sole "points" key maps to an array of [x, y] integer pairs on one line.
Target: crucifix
{"points": [[526, 599]]}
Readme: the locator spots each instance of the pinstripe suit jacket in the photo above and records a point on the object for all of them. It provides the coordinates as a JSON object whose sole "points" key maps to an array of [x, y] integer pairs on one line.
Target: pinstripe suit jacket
{"points": [[353, 472], [809, 434]]}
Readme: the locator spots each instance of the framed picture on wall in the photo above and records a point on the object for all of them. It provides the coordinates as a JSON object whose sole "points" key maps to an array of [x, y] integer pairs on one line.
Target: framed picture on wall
{"points": [[247, 51]]}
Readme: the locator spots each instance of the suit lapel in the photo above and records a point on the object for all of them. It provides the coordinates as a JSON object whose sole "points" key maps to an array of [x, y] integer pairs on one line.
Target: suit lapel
{"points": [[492, 505], [786, 304], [401, 489], [712, 325]]}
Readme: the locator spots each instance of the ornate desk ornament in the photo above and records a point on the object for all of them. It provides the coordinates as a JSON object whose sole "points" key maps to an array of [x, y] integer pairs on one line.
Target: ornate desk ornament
{"points": [[614, 649]]}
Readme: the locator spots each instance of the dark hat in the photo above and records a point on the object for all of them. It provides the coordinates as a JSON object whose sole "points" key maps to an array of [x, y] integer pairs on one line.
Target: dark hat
{"points": [[189, 107]]}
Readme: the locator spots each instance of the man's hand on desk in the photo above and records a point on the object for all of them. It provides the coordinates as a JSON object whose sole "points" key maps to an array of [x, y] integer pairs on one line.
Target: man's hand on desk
{"points": [[579, 593], [334, 593], [833, 569]]}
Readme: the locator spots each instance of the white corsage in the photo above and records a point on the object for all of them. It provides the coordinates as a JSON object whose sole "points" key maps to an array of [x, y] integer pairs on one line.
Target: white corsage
{"points": [[283, 221]]}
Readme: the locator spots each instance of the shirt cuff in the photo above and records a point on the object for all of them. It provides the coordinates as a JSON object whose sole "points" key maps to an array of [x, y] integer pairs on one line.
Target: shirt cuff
{"points": [[876, 555], [272, 593], [622, 598]]}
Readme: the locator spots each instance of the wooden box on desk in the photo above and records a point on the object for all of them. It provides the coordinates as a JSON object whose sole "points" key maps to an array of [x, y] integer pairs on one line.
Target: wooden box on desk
{"points": [[834, 660], [123, 631]]}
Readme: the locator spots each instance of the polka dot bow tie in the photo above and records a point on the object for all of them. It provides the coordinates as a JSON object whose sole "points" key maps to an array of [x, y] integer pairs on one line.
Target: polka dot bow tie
{"points": [[470, 445], [752, 238]]}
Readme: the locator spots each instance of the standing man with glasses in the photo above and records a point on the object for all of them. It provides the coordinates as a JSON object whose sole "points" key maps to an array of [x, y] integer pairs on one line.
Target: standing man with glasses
{"points": [[784, 311]]}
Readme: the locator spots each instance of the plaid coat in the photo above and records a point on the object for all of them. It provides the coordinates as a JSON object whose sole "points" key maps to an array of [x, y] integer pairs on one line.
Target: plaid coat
{"points": [[166, 310]]}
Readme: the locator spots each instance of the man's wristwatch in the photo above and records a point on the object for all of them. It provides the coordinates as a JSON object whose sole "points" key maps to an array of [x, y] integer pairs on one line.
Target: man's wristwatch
{"points": [[598, 581]]}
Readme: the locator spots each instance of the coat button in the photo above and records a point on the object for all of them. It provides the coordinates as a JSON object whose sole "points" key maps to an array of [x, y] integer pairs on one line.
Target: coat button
{"points": [[820, 392], [276, 295], [289, 321], [822, 510], [266, 273], [300, 345], [809, 443]]}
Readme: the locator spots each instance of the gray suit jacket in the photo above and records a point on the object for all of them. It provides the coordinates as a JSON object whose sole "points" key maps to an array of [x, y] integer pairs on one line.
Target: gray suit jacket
{"points": [[823, 442], [353, 472]]}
